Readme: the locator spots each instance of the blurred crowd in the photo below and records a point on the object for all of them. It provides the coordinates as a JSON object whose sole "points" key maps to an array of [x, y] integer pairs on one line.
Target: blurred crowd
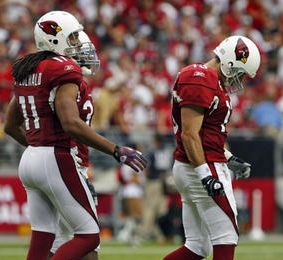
{"points": [[142, 45]]}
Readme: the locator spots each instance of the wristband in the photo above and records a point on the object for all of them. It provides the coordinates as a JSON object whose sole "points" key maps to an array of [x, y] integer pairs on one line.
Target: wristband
{"points": [[116, 153], [227, 154], [203, 170]]}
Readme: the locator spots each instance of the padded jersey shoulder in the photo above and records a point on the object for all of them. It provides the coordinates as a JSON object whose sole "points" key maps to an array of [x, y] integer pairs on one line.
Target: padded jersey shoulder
{"points": [[60, 65], [60, 70], [198, 75]]}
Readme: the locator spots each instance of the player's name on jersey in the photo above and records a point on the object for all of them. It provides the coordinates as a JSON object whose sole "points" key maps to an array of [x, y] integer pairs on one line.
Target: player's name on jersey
{"points": [[32, 80]]}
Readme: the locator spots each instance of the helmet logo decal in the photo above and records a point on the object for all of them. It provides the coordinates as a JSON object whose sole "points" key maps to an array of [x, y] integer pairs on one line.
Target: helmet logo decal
{"points": [[50, 27], [241, 51]]}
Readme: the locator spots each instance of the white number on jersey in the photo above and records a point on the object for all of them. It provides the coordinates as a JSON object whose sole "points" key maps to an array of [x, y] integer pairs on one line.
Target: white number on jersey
{"points": [[23, 102], [175, 125], [87, 105], [214, 105], [226, 119]]}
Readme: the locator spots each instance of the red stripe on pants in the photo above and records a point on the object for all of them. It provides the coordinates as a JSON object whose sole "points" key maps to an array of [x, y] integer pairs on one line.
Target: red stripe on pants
{"points": [[223, 202], [71, 179]]}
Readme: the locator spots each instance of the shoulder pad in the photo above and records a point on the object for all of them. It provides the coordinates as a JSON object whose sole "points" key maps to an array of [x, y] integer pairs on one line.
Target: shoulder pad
{"points": [[60, 69], [198, 74], [61, 63]]}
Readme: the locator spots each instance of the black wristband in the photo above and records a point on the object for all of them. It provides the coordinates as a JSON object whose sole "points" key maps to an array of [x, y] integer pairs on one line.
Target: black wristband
{"points": [[116, 153]]}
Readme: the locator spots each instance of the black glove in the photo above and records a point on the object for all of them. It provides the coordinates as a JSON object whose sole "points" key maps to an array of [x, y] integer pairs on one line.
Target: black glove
{"points": [[239, 167], [130, 157], [213, 186]]}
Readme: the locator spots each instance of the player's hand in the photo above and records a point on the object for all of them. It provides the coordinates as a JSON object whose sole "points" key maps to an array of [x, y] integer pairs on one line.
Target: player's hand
{"points": [[130, 157], [239, 167], [213, 186]]}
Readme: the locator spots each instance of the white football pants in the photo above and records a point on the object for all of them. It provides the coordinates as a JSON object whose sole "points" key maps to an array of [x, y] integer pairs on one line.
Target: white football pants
{"points": [[207, 221], [54, 186]]}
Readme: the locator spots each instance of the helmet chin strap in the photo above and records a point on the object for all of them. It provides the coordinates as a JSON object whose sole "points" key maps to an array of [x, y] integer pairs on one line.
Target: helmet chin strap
{"points": [[86, 71]]}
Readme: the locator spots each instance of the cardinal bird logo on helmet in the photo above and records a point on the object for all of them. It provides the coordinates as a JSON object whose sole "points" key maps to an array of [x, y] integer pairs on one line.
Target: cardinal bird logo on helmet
{"points": [[241, 51], [50, 27]]}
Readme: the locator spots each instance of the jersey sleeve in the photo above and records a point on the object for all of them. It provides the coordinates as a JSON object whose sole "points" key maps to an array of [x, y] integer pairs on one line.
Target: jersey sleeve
{"points": [[196, 87], [62, 71]]}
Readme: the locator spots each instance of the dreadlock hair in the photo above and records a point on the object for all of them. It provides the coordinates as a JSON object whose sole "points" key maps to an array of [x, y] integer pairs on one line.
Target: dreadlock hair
{"points": [[27, 65]]}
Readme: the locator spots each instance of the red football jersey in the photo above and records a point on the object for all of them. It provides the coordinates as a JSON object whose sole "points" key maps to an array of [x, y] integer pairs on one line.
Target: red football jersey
{"points": [[85, 106], [198, 85], [36, 100]]}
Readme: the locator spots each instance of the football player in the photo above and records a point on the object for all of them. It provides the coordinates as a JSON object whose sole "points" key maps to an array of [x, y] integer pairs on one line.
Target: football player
{"points": [[50, 112], [201, 110], [89, 63]]}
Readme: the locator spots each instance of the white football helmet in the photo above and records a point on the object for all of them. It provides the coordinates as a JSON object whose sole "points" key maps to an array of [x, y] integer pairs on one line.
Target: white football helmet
{"points": [[60, 32], [52, 31], [238, 56]]}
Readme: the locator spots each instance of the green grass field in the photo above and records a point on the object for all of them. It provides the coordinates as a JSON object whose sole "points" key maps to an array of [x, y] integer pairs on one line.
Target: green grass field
{"points": [[113, 251]]}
